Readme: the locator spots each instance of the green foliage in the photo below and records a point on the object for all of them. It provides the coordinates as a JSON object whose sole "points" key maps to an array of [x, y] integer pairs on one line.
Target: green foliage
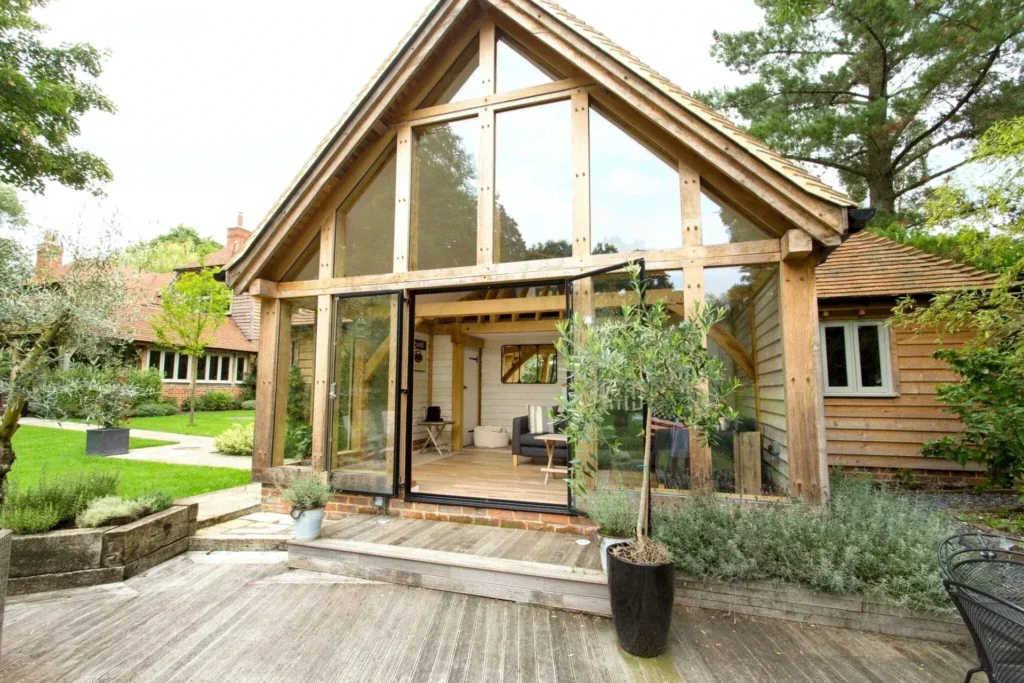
{"points": [[868, 541], [298, 396], [248, 404], [298, 441], [235, 440], [179, 247], [47, 89], [156, 501], [248, 391], [102, 396], [640, 358], [58, 500], [148, 385], [307, 493], [873, 89], [158, 409], [613, 510], [109, 511], [12, 212], [214, 401]]}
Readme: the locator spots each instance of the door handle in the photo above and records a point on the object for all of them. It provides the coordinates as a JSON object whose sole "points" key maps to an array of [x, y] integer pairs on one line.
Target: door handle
{"points": [[331, 391]]}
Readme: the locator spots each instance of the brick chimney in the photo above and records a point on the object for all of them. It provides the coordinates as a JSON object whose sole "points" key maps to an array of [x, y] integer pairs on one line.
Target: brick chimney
{"points": [[237, 235], [49, 257]]}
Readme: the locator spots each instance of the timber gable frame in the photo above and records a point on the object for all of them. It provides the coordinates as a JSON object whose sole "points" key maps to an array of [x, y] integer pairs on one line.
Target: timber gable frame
{"points": [[803, 217]]}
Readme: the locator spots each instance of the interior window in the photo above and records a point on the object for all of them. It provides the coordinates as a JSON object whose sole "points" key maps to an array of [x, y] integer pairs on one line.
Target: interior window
{"points": [[855, 358], [444, 202], [721, 224], [365, 229], [634, 199], [515, 70], [533, 183], [529, 364]]}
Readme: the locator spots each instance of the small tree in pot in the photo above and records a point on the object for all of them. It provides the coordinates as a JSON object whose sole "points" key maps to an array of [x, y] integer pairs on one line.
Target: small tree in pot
{"points": [[100, 396], [641, 357], [308, 496]]}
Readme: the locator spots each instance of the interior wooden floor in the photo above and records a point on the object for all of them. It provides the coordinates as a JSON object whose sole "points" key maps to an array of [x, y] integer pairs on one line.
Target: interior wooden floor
{"points": [[488, 473]]}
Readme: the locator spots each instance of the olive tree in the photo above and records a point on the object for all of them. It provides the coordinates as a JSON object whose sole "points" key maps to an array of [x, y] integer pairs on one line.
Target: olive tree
{"points": [[642, 357]]}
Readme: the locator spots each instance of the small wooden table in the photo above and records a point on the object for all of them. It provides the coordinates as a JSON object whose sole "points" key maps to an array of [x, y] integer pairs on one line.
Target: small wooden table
{"points": [[550, 441], [435, 430]]}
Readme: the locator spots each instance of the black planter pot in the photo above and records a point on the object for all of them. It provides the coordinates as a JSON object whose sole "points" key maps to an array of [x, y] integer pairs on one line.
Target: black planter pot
{"points": [[642, 597], [106, 441]]}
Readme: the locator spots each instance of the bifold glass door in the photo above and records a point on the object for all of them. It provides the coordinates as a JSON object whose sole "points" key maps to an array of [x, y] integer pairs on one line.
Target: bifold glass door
{"points": [[364, 401], [592, 298]]}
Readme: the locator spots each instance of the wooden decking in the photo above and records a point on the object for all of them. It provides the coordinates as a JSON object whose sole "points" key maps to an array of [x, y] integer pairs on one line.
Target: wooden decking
{"points": [[489, 473], [197, 619]]}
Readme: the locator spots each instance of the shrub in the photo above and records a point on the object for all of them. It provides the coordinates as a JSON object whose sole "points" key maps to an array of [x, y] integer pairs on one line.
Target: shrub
{"points": [[614, 511], [158, 409], [216, 400], [235, 440], [307, 493], [109, 511], [298, 396], [102, 396], [248, 390], [869, 541], [156, 501], [54, 501], [148, 385], [249, 404], [29, 520], [298, 441]]}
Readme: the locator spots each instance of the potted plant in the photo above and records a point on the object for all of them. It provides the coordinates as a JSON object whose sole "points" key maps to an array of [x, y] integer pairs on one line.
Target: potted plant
{"points": [[642, 357], [614, 511], [308, 496], [100, 396]]}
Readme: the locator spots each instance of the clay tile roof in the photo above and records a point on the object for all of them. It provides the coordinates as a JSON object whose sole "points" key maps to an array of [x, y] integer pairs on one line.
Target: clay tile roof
{"points": [[806, 181], [867, 265], [227, 337]]}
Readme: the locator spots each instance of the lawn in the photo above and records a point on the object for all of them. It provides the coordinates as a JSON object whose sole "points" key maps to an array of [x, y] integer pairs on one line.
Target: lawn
{"points": [[207, 424], [55, 452]]}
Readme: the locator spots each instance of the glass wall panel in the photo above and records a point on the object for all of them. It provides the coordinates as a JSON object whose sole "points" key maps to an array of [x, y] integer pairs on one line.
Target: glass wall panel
{"points": [[462, 82], [298, 445], [533, 184], [721, 224], [515, 70], [749, 455], [307, 265], [444, 203], [365, 229], [634, 199], [363, 409]]}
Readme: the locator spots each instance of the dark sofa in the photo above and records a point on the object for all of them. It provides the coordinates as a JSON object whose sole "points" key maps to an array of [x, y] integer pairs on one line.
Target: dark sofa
{"points": [[526, 444]]}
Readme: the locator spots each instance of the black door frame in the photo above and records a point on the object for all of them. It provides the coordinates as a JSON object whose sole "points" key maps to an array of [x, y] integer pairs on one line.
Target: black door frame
{"points": [[445, 499]]}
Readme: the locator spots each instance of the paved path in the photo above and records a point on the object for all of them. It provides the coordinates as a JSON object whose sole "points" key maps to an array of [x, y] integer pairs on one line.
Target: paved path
{"points": [[188, 450], [227, 504], [244, 617]]}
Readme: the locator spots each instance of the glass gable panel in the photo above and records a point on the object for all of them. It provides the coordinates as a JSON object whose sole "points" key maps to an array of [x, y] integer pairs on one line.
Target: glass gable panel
{"points": [[835, 357], [444, 203], [533, 183], [462, 82], [366, 230], [721, 224], [515, 70], [634, 201]]}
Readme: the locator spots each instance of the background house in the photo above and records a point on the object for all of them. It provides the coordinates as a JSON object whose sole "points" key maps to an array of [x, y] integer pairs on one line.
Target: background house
{"points": [[880, 383]]}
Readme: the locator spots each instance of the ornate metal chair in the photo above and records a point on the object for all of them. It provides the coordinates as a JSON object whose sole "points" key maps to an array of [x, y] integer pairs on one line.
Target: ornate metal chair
{"points": [[985, 580]]}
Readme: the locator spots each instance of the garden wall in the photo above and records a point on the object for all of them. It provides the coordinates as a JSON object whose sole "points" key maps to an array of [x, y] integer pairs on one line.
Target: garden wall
{"points": [[85, 557]]}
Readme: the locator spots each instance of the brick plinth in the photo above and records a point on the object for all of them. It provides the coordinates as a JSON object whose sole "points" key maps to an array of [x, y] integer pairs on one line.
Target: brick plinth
{"points": [[178, 392], [342, 504]]}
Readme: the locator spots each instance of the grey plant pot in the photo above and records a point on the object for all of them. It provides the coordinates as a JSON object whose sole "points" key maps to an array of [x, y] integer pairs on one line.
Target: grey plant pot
{"points": [[107, 441], [307, 524]]}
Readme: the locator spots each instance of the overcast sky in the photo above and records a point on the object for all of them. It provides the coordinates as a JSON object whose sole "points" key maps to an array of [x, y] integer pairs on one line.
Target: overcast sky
{"points": [[220, 103]]}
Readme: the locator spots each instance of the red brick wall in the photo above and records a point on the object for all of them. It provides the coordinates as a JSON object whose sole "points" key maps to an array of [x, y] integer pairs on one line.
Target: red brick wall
{"points": [[178, 392], [341, 505]]}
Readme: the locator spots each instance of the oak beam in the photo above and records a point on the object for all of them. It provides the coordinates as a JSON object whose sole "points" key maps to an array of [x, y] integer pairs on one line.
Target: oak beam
{"points": [[796, 245], [272, 384], [320, 413]]}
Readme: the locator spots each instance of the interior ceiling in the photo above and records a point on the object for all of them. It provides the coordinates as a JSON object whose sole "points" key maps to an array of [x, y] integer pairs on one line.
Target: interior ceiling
{"points": [[496, 312]]}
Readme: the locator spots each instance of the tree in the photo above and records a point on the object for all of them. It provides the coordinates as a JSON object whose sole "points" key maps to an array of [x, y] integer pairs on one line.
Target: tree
{"points": [[180, 246], [46, 90], [989, 396], [872, 89], [78, 307], [641, 357], [192, 308]]}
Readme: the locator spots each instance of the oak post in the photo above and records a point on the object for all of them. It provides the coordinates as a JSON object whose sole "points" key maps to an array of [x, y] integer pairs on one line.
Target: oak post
{"points": [[458, 369], [272, 384], [581, 173], [405, 238]]}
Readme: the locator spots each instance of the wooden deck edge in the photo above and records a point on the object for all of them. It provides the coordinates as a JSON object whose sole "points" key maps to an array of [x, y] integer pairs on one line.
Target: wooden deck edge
{"points": [[227, 516], [466, 560], [225, 542]]}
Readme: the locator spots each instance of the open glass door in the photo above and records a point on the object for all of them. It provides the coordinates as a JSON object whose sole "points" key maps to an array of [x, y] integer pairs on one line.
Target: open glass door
{"points": [[595, 296], [364, 434]]}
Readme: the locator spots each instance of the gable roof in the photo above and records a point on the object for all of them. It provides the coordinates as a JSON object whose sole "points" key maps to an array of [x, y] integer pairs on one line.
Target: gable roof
{"points": [[776, 164], [867, 265]]}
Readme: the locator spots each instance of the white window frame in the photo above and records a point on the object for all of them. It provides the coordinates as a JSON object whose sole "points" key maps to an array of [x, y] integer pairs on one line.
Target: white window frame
{"points": [[853, 369], [229, 358]]}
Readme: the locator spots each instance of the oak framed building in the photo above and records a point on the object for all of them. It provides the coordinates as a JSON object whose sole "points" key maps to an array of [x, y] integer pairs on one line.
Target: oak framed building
{"points": [[498, 170]]}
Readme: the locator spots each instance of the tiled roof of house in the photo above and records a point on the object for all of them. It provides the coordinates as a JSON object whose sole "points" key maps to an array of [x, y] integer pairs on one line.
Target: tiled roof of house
{"points": [[227, 337], [806, 181], [867, 265]]}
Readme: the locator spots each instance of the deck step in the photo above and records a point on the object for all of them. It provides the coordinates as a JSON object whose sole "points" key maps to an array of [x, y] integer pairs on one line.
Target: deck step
{"points": [[577, 590]]}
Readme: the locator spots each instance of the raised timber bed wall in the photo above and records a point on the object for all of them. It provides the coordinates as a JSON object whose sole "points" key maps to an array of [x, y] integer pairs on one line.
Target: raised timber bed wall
{"points": [[85, 557]]}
